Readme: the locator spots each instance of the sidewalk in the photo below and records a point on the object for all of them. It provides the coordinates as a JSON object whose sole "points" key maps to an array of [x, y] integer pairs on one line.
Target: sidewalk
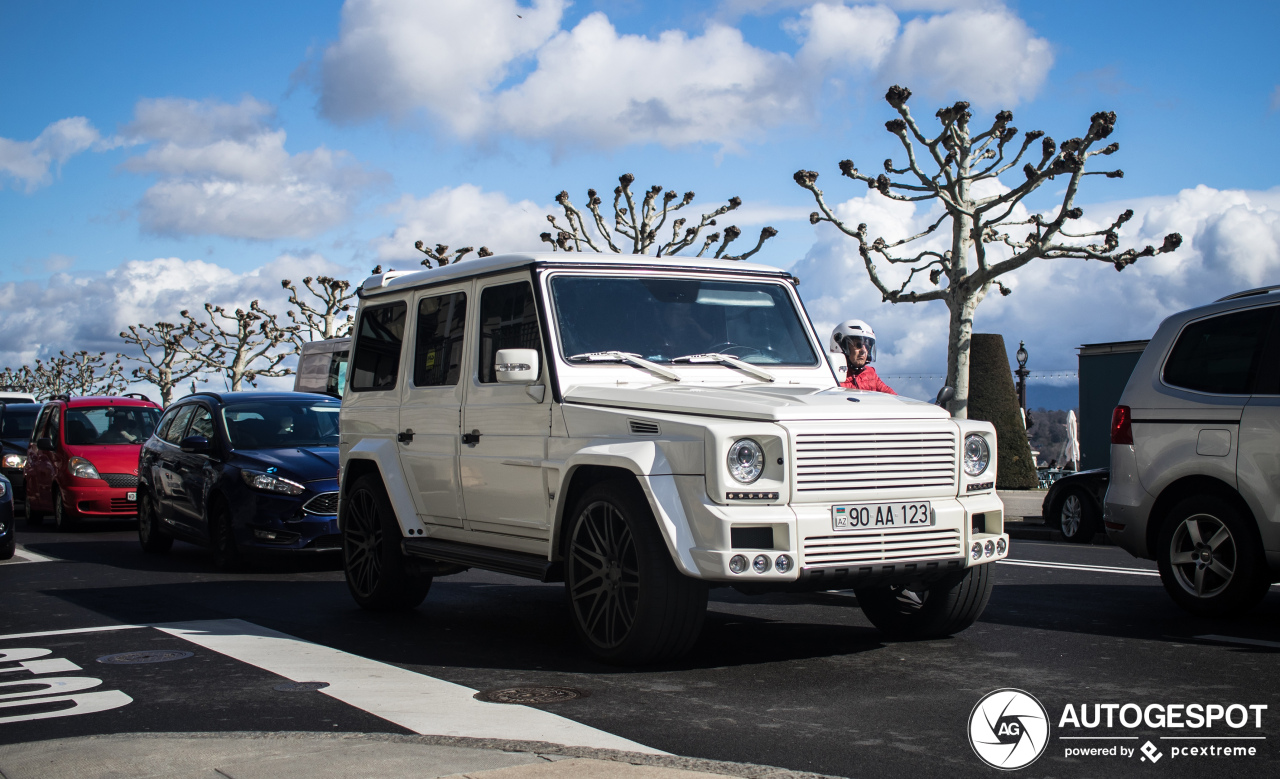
{"points": [[325, 755]]}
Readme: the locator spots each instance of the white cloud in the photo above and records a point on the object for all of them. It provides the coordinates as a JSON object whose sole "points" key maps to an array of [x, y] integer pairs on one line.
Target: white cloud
{"points": [[225, 171], [30, 162], [463, 216], [487, 71]]}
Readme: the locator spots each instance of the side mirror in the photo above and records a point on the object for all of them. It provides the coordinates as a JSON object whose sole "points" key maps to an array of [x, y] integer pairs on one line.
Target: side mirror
{"points": [[945, 395], [195, 444], [44, 444], [516, 366]]}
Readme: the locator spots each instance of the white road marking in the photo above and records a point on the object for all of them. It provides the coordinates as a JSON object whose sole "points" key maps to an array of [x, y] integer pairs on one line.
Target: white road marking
{"points": [[28, 556], [1080, 567], [420, 703], [43, 633], [1244, 641]]}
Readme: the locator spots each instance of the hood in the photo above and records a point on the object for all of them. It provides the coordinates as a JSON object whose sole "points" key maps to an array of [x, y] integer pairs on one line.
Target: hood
{"points": [[766, 402], [115, 458], [311, 463]]}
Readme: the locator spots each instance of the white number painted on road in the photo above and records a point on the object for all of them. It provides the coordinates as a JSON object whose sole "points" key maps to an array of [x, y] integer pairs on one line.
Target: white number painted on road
{"points": [[52, 689]]}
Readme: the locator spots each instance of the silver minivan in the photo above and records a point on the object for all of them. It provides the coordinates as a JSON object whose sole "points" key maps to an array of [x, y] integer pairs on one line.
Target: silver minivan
{"points": [[1195, 454]]}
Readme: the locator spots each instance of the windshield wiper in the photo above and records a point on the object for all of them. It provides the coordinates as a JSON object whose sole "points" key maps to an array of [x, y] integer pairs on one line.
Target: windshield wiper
{"points": [[727, 359], [629, 358]]}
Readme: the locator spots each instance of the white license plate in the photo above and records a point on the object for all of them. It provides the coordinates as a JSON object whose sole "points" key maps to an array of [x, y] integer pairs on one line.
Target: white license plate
{"points": [[133, 496], [881, 516]]}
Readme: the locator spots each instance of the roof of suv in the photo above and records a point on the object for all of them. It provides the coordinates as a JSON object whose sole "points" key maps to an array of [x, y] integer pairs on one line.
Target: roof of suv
{"points": [[393, 279]]}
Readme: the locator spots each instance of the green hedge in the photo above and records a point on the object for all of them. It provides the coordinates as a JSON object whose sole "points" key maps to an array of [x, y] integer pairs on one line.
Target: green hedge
{"points": [[993, 398]]}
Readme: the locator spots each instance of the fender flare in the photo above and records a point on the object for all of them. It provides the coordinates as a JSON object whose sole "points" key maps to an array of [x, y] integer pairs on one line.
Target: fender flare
{"points": [[382, 453]]}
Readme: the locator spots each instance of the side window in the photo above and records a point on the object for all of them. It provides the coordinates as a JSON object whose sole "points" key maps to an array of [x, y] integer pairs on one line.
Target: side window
{"points": [[173, 434], [508, 320], [201, 423], [55, 424], [42, 424], [377, 348], [1219, 355], [166, 420], [437, 355]]}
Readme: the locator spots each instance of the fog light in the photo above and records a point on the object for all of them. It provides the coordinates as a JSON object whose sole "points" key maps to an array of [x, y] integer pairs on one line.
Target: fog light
{"points": [[783, 563], [737, 563], [1001, 546], [991, 548], [761, 563], [265, 535], [977, 550], [2, 528]]}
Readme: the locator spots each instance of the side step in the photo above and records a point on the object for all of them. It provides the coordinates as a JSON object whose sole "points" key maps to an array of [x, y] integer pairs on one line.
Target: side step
{"points": [[497, 560]]}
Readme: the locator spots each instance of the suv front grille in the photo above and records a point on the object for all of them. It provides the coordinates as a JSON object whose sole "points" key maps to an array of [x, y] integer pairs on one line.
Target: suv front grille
{"points": [[120, 480], [885, 546], [324, 503], [882, 460]]}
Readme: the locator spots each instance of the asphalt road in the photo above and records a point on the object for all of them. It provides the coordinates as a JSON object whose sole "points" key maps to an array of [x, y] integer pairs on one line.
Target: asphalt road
{"points": [[798, 681]]}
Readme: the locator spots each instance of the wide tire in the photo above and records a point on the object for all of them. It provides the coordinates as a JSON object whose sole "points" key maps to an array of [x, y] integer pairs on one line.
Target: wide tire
{"points": [[1077, 518], [944, 608], [629, 602], [150, 534], [64, 517], [35, 518], [1210, 560], [222, 540], [8, 548], [377, 573]]}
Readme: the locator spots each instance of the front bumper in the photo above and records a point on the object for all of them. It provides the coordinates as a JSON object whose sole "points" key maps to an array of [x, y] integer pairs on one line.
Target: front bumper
{"points": [[278, 524], [19, 482], [101, 501]]}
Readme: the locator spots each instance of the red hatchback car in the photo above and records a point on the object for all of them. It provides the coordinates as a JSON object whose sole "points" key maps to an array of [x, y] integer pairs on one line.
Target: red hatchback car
{"points": [[82, 461]]}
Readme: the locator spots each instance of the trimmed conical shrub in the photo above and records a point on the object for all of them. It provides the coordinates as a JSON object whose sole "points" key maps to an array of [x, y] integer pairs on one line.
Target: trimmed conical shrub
{"points": [[993, 398]]}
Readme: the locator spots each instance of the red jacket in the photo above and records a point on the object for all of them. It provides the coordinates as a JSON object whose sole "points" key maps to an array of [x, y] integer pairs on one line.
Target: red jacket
{"points": [[866, 379]]}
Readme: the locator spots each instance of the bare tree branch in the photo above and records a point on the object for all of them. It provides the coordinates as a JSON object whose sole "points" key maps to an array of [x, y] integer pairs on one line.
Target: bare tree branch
{"points": [[165, 349]]}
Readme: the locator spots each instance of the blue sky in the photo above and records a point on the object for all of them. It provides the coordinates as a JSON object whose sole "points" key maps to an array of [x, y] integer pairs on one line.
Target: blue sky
{"points": [[462, 141]]}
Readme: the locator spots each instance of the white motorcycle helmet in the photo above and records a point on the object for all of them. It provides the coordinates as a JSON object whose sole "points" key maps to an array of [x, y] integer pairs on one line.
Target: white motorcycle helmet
{"points": [[853, 328]]}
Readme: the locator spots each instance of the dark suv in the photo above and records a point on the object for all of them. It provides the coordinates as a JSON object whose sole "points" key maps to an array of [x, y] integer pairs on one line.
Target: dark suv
{"points": [[17, 420], [241, 473]]}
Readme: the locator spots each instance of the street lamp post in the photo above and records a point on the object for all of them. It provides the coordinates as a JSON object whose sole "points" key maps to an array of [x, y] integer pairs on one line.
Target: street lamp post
{"points": [[1022, 373]]}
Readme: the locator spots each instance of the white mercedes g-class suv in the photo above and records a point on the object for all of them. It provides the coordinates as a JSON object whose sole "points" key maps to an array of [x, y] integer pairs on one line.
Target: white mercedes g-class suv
{"points": [[643, 429]]}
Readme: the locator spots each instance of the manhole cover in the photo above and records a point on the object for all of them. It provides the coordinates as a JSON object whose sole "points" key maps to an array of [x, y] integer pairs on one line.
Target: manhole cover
{"points": [[300, 686], [145, 656], [530, 695]]}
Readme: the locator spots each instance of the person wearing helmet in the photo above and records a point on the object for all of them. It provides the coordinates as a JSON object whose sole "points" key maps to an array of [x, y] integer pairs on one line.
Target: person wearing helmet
{"points": [[857, 341]]}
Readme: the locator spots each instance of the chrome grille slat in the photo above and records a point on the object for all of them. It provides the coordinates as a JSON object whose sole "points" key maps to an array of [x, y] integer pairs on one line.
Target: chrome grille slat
{"points": [[875, 460], [903, 545]]}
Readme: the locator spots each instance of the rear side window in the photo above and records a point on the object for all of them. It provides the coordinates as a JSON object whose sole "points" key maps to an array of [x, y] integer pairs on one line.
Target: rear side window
{"points": [[508, 320], [1219, 355], [201, 423], [376, 361], [166, 420], [173, 433], [437, 354]]}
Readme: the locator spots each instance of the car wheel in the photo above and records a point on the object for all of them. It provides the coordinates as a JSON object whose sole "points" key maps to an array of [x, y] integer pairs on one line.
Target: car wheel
{"points": [[941, 609], [64, 518], [153, 539], [376, 570], [1209, 559], [34, 516], [1077, 518], [8, 548], [630, 603], [222, 540]]}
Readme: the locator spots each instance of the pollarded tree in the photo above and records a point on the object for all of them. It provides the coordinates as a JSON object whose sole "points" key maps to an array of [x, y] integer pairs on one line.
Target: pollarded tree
{"points": [[639, 230], [443, 256], [166, 352], [983, 245], [79, 373], [243, 345], [324, 314]]}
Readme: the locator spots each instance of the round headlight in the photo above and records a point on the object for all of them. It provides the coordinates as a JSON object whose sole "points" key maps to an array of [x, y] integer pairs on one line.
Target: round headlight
{"points": [[976, 551], [761, 563], [746, 461], [737, 563], [783, 563], [977, 455]]}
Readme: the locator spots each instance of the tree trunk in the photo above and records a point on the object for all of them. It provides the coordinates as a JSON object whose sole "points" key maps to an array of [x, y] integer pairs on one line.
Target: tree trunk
{"points": [[960, 334]]}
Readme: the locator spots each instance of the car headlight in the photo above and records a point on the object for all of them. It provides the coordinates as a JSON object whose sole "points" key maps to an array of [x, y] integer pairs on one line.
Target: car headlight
{"points": [[271, 483], [977, 455], [13, 461], [746, 461], [4, 489], [82, 468]]}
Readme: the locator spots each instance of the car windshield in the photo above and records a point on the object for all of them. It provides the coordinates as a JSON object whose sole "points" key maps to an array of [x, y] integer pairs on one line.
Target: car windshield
{"points": [[110, 425], [282, 424], [18, 419], [660, 319]]}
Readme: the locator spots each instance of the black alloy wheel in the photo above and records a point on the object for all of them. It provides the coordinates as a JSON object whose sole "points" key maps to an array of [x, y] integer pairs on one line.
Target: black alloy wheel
{"points": [[153, 539], [376, 571], [606, 575], [222, 540], [64, 518]]}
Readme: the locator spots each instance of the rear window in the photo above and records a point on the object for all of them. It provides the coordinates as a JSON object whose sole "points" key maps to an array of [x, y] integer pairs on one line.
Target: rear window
{"points": [[376, 361], [1219, 355], [109, 425], [18, 420]]}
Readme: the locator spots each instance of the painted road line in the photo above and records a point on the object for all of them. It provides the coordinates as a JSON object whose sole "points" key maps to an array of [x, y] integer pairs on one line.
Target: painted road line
{"points": [[423, 704], [70, 632], [28, 556], [1080, 567], [1244, 641]]}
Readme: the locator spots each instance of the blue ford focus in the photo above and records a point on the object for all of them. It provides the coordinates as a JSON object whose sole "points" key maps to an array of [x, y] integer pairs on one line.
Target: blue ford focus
{"points": [[242, 473]]}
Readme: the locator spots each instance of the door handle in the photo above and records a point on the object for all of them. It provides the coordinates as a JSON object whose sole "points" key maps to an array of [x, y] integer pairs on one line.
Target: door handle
{"points": [[406, 437], [472, 438]]}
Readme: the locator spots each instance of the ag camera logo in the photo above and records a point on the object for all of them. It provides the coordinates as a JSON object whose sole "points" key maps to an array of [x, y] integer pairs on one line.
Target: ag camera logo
{"points": [[1009, 729]]}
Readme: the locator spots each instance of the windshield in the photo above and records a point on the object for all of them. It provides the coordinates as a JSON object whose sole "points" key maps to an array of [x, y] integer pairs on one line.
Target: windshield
{"points": [[282, 424], [663, 318], [17, 420], [110, 425]]}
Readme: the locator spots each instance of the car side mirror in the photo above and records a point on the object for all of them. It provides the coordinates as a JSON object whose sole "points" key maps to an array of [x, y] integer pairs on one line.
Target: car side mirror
{"points": [[195, 444], [516, 366], [945, 396], [44, 444]]}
